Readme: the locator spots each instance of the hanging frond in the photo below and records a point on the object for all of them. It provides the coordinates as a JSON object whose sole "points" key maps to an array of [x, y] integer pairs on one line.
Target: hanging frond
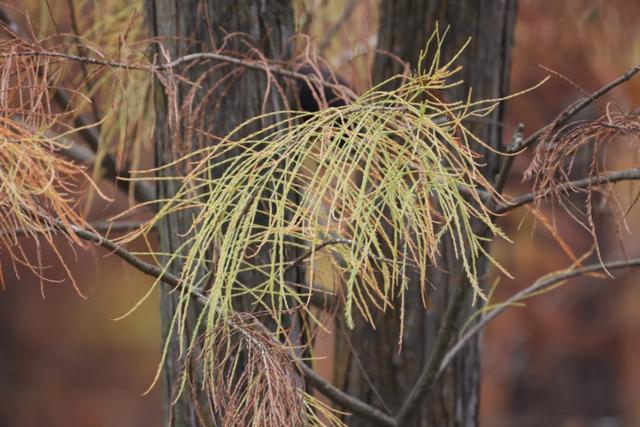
{"points": [[265, 392], [39, 191], [556, 158], [386, 178]]}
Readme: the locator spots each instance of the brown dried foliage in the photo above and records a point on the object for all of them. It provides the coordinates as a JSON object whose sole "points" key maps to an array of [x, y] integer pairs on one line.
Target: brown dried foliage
{"points": [[264, 392], [38, 195], [39, 189], [558, 155]]}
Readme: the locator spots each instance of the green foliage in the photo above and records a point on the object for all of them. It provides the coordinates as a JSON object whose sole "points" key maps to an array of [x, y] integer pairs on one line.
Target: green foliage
{"points": [[376, 184]]}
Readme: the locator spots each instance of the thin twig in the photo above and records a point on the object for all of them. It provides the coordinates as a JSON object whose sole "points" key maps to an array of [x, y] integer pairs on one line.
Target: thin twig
{"points": [[538, 286], [624, 175], [246, 63], [562, 119], [98, 227], [313, 250]]}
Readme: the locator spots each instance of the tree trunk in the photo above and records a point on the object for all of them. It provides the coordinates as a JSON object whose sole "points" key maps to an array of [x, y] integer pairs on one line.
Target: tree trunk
{"points": [[379, 374], [189, 26]]}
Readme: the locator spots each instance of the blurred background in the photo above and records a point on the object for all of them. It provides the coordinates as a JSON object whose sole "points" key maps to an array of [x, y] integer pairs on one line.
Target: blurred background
{"points": [[569, 358]]}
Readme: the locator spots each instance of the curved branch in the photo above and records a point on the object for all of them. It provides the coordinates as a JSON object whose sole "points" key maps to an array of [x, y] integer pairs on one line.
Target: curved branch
{"points": [[624, 175], [346, 401], [574, 109], [537, 286], [568, 113]]}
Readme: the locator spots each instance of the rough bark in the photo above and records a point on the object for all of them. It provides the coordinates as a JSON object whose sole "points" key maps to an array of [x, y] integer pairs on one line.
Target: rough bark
{"points": [[189, 26], [405, 25]]}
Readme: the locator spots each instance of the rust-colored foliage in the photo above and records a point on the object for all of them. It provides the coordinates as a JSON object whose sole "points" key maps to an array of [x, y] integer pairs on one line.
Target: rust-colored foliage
{"points": [[553, 164], [38, 193], [265, 391], [39, 189]]}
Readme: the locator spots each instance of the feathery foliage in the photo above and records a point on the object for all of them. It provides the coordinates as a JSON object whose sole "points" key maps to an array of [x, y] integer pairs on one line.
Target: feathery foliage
{"points": [[340, 180], [39, 191]]}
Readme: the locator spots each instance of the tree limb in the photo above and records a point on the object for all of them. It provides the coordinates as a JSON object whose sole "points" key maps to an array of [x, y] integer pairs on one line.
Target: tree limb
{"points": [[568, 113], [538, 286], [100, 227], [624, 175], [344, 400], [245, 63]]}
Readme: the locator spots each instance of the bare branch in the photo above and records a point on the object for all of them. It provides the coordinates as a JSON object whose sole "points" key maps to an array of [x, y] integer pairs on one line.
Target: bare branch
{"points": [[624, 175], [538, 286], [246, 63], [568, 113]]}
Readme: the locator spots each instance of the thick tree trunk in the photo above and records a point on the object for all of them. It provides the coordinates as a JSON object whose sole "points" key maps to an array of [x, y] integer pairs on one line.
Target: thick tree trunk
{"points": [[189, 26], [379, 373]]}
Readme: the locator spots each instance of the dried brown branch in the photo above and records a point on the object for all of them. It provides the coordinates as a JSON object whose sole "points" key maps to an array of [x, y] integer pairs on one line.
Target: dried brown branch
{"points": [[190, 58], [572, 110], [567, 114], [142, 192], [609, 178], [555, 158]]}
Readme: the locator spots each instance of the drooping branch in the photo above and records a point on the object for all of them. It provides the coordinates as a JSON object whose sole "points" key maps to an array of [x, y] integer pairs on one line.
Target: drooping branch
{"points": [[539, 285], [142, 192], [346, 401]]}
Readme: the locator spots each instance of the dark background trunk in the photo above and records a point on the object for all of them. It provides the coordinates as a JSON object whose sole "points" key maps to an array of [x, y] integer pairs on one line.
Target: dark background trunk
{"points": [[405, 26], [266, 25]]}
